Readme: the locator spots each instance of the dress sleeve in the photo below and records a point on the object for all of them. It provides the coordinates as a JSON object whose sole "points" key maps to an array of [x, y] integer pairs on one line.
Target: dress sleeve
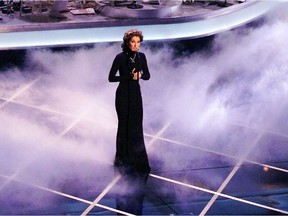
{"points": [[145, 70], [114, 68]]}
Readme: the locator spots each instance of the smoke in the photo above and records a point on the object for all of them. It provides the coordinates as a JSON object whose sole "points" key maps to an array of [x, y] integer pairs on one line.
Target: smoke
{"points": [[61, 126]]}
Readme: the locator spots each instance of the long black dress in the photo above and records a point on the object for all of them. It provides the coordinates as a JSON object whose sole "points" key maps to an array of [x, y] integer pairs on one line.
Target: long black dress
{"points": [[130, 148]]}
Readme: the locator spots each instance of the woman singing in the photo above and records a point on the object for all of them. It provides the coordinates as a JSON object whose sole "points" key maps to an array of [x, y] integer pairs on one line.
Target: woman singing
{"points": [[131, 153]]}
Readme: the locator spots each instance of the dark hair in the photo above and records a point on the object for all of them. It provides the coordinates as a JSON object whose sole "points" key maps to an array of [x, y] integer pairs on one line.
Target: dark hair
{"points": [[127, 37]]}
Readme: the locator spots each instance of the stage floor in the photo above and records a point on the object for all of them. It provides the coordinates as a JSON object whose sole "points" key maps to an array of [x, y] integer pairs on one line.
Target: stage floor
{"points": [[57, 149]]}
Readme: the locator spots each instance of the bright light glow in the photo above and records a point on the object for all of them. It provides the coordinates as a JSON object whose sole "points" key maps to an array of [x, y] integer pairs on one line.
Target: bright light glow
{"points": [[192, 29]]}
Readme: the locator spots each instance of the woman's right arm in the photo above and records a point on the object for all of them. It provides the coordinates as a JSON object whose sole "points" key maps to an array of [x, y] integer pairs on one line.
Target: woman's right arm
{"points": [[115, 67]]}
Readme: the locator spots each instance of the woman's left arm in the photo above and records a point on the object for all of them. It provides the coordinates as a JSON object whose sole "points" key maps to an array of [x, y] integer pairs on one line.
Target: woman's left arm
{"points": [[145, 69]]}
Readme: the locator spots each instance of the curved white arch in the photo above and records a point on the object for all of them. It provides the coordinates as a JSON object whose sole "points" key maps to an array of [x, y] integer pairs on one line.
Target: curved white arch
{"points": [[191, 29]]}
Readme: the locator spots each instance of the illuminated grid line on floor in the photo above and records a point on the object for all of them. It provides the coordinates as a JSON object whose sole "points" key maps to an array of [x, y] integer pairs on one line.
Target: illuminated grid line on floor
{"points": [[216, 193], [167, 139], [152, 175], [116, 179], [160, 137], [66, 130], [220, 153], [104, 192], [231, 174], [197, 187], [66, 195], [156, 177], [238, 165], [19, 92]]}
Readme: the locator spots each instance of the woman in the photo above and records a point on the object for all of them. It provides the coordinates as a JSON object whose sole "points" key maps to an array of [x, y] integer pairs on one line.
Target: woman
{"points": [[131, 154]]}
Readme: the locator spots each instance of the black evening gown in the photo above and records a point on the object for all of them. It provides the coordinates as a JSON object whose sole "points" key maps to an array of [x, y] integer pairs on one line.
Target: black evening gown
{"points": [[131, 153]]}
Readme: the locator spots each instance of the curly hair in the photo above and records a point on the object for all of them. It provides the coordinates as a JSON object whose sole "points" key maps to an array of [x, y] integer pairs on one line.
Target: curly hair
{"points": [[127, 37]]}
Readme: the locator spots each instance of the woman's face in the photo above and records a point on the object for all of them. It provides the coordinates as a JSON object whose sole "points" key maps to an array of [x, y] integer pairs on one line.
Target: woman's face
{"points": [[134, 43]]}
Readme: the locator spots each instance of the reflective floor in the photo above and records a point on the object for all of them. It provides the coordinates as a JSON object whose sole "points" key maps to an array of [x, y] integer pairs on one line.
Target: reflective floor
{"points": [[58, 130]]}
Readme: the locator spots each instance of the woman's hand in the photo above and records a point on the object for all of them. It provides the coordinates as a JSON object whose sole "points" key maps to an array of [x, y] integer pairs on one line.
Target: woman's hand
{"points": [[136, 75]]}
